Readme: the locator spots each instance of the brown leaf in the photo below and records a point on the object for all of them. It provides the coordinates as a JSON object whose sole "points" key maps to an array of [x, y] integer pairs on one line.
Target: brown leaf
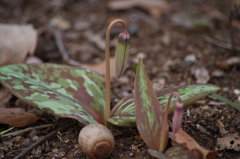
{"points": [[154, 7], [201, 74], [16, 41], [17, 117], [183, 139], [230, 141], [5, 96], [229, 62], [33, 59], [100, 67]]}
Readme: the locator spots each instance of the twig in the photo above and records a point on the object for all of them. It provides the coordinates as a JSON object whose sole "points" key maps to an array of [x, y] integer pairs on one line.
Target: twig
{"points": [[221, 44], [235, 5], [26, 130], [231, 30], [58, 37], [23, 153]]}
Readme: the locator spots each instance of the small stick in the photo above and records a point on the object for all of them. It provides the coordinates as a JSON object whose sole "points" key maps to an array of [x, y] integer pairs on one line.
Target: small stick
{"points": [[23, 153], [58, 37], [26, 130], [221, 44], [231, 30]]}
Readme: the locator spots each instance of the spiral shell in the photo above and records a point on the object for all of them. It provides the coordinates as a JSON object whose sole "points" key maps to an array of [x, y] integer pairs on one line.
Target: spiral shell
{"points": [[96, 141]]}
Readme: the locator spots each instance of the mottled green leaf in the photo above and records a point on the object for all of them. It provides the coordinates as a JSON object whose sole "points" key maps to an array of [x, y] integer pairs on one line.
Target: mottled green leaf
{"points": [[57, 89], [125, 120], [156, 154], [188, 93], [148, 112], [179, 152]]}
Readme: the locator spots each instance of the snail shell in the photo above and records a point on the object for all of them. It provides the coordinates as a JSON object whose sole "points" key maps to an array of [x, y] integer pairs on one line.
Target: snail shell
{"points": [[96, 141]]}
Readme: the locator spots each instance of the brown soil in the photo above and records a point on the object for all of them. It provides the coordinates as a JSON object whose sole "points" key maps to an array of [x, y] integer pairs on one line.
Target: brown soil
{"points": [[160, 40]]}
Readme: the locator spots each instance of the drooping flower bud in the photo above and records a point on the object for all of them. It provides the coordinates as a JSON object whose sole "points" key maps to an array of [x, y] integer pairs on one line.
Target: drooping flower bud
{"points": [[122, 53], [177, 117]]}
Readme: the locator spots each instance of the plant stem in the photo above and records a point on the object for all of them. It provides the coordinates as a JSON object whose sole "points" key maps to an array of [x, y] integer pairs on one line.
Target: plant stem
{"points": [[107, 60], [165, 119]]}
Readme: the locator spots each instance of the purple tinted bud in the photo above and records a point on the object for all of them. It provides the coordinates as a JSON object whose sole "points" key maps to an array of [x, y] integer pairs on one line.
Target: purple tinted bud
{"points": [[122, 53], [177, 117]]}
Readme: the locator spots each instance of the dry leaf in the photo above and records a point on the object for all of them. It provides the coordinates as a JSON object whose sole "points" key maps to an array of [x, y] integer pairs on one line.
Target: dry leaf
{"points": [[154, 7], [96, 39], [183, 139], [5, 96], [229, 62], [100, 67], [17, 117], [201, 74], [189, 20], [33, 59], [16, 41], [60, 23], [230, 141]]}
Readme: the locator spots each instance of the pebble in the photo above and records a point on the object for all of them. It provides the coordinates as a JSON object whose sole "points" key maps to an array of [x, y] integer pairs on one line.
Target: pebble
{"points": [[190, 58], [236, 91], [131, 154], [217, 73], [124, 80], [120, 155]]}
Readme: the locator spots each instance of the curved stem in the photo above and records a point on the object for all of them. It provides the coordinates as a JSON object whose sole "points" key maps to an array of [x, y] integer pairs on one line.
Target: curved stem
{"points": [[107, 61], [165, 119]]}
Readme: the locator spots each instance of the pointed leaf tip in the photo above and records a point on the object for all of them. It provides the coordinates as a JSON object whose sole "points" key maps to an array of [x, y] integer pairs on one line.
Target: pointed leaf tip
{"points": [[148, 112], [122, 53]]}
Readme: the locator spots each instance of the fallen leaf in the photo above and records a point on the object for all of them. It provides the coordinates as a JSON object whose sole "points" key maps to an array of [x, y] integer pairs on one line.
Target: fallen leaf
{"points": [[230, 141], [16, 41], [188, 20], [154, 7], [201, 74], [33, 59], [5, 96], [17, 117], [96, 39], [229, 62], [60, 23], [100, 67], [222, 129], [183, 139]]}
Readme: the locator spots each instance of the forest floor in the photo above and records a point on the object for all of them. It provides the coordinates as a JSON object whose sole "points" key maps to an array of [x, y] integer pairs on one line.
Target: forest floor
{"points": [[180, 43]]}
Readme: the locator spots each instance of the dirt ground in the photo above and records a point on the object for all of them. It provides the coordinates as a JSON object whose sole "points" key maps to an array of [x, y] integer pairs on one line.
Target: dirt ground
{"points": [[172, 52]]}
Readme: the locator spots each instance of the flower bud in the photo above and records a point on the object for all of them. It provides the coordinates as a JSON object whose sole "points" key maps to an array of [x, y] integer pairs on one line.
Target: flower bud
{"points": [[122, 53], [177, 117]]}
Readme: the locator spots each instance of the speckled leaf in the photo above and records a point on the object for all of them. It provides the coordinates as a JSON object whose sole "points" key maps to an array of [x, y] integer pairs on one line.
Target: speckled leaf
{"points": [[189, 94], [179, 152], [148, 112], [57, 89], [156, 154], [125, 120]]}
